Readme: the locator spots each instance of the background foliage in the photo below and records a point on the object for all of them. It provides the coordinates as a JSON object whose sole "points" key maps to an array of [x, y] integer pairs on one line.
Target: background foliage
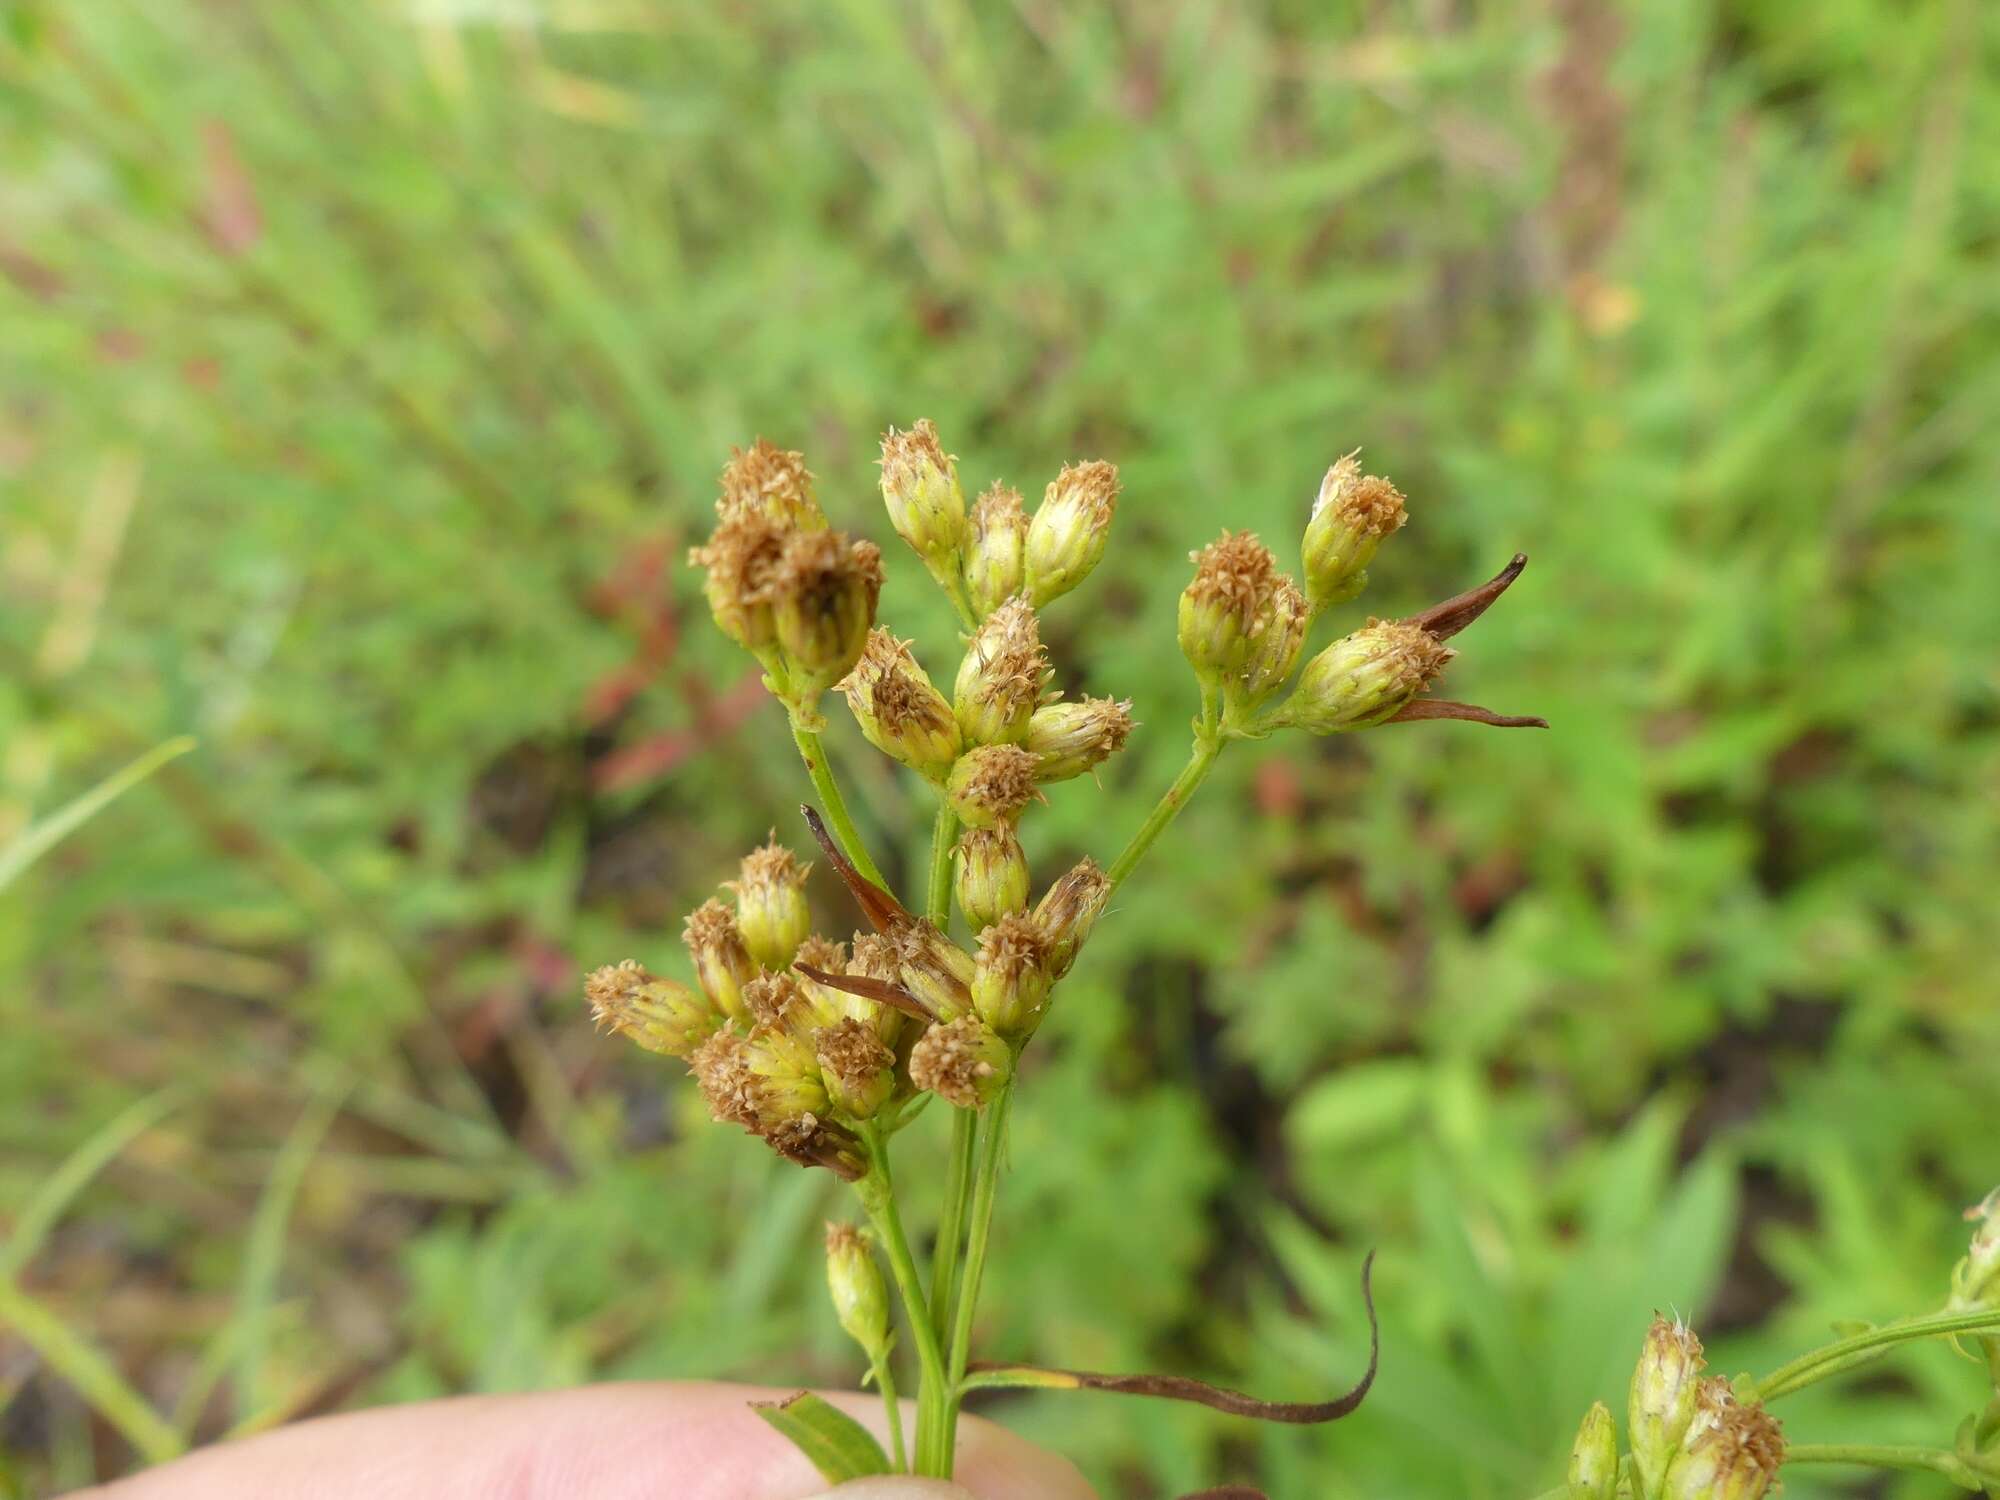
{"points": [[364, 373]]}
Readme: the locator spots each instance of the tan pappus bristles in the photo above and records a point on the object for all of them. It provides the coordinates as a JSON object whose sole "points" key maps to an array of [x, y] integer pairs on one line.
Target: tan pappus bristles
{"points": [[725, 1080], [1012, 975], [1367, 503], [609, 987], [991, 784], [858, 1069], [1069, 910], [1364, 678], [722, 961], [921, 492], [771, 908], [1234, 577], [934, 969], [898, 709], [1003, 675], [996, 535], [771, 480], [661, 1015], [991, 874], [1351, 516], [775, 1000], [742, 559], [1070, 529], [964, 1062], [1068, 739]]}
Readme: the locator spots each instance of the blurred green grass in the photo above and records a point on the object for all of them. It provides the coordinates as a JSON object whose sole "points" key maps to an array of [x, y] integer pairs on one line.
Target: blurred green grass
{"points": [[365, 370]]}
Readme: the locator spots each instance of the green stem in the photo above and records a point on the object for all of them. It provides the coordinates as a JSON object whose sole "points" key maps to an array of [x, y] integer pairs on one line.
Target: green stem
{"points": [[1891, 1456], [814, 755], [1206, 748], [993, 1147], [1831, 1359], [878, 1196], [944, 834], [951, 1225], [885, 1381], [94, 1376]]}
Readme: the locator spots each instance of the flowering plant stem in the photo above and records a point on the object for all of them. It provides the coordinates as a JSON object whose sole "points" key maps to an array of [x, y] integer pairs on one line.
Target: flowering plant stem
{"points": [[878, 1196], [1207, 746], [993, 1146], [1958, 1470], [814, 755], [1843, 1354]]}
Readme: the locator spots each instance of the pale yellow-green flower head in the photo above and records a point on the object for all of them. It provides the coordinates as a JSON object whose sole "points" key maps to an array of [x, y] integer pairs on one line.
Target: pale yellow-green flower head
{"points": [[1352, 516], [1071, 526]]}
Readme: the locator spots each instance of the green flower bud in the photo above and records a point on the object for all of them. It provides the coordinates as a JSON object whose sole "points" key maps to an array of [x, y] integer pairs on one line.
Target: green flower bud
{"points": [[659, 1014], [743, 558], [920, 488], [1665, 1389], [1975, 1282], [860, 1298], [1068, 911], [874, 958], [824, 594], [771, 909], [1352, 517], [1732, 1451], [1011, 975], [991, 784], [933, 968], [722, 964], [998, 532], [1363, 678], [1593, 1460], [1068, 739], [768, 481], [1278, 636], [858, 1070], [963, 1062], [1220, 609], [1070, 529], [785, 1083], [898, 710], [992, 876], [1002, 677]]}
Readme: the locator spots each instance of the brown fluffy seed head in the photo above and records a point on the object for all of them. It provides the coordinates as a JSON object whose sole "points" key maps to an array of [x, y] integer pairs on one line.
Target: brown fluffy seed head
{"points": [[1665, 1390], [1732, 1451], [860, 1297], [771, 909], [722, 963], [963, 1062], [1071, 527], [1068, 739], [1011, 975], [1364, 678], [991, 879], [920, 488], [1278, 638], [767, 480], [823, 596], [661, 1015], [899, 712], [1352, 516], [859, 1071], [1002, 677], [1219, 609], [1068, 910], [997, 533], [723, 1075], [743, 559], [991, 784], [1593, 1457]]}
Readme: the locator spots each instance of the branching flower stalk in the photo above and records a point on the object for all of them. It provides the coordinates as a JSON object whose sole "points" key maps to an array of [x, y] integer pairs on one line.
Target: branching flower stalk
{"points": [[826, 1049]]}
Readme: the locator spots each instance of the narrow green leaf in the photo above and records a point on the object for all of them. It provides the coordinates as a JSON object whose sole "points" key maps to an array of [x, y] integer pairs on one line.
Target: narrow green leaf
{"points": [[38, 838], [835, 1444]]}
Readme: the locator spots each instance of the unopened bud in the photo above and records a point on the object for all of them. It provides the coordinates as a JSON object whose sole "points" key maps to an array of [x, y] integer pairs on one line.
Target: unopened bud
{"points": [[920, 488], [771, 909], [1277, 638], [659, 1014], [722, 963], [991, 784], [1220, 608], [769, 1084], [934, 969], [1593, 1459], [742, 560], [1011, 978], [1976, 1280], [963, 1062], [1665, 1389], [1002, 676], [1733, 1450], [860, 1298], [899, 712], [823, 602], [858, 1070], [1364, 678], [785, 1082], [998, 531], [1351, 518], [1068, 910], [1068, 739], [874, 958], [992, 876], [767, 480], [1070, 529]]}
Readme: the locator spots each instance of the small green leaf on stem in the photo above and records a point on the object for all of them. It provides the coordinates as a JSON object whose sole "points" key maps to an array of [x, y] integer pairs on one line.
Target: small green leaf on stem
{"points": [[832, 1441]]}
